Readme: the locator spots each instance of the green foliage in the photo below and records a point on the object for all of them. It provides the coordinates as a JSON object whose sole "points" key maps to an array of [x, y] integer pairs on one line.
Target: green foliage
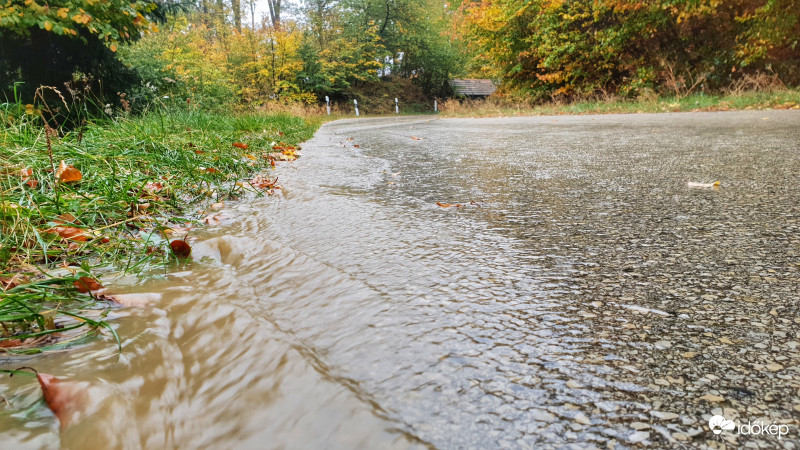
{"points": [[572, 48]]}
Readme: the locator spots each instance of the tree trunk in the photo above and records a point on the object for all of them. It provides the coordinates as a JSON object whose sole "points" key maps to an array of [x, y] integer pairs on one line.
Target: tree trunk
{"points": [[237, 13], [275, 13]]}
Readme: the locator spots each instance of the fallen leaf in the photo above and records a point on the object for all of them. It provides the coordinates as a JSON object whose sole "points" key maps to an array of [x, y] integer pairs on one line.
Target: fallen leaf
{"points": [[449, 205], [64, 398], [180, 248], [10, 343], [212, 170], [692, 184], [200, 152], [132, 299], [249, 156], [66, 217], [87, 284], [356, 146], [26, 174], [72, 233], [262, 182], [67, 174], [240, 145], [416, 138], [153, 186]]}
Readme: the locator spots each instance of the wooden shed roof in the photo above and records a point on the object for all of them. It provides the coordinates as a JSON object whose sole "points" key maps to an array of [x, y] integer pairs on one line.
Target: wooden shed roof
{"points": [[473, 86]]}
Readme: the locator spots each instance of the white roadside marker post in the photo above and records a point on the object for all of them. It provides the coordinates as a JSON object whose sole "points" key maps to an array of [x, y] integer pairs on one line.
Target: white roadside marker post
{"points": [[435, 106], [355, 102], [328, 104], [396, 108]]}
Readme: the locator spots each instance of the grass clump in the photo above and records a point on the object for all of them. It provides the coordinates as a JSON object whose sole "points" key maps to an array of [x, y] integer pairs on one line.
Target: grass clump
{"points": [[144, 180]]}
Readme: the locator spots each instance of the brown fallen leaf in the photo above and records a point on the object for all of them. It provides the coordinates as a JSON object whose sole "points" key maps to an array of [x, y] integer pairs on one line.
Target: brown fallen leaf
{"points": [[26, 175], [64, 398], [71, 233], [66, 217], [153, 186], [449, 205], [67, 174], [262, 182], [8, 343], [180, 248], [87, 284], [240, 145], [135, 300], [356, 146], [416, 138]]}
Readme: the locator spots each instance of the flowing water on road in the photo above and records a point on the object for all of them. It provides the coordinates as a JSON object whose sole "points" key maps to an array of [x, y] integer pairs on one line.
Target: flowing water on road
{"points": [[582, 295]]}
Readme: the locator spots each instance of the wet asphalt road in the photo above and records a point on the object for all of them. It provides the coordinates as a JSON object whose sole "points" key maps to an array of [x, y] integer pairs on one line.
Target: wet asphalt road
{"points": [[637, 307]]}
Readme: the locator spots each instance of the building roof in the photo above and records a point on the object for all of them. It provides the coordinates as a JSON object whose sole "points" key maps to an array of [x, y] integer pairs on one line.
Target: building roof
{"points": [[473, 86]]}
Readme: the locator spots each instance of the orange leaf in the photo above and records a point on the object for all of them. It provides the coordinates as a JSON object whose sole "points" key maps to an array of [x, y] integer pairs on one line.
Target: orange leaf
{"points": [[240, 145], [200, 152], [25, 173], [180, 248], [249, 156], [32, 183], [67, 173], [72, 233], [449, 205], [356, 146], [212, 170], [10, 343], [86, 284], [416, 138]]}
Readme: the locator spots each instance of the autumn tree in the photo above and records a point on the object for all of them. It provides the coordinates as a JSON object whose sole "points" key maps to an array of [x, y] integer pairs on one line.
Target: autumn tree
{"points": [[49, 43], [541, 48]]}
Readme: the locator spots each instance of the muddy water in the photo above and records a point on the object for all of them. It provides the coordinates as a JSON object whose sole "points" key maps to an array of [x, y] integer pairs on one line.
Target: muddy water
{"points": [[585, 297]]}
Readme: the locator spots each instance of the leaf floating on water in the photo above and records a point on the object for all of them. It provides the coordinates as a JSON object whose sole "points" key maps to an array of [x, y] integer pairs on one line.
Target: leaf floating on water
{"points": [[449, 205], [713, 185], [240, 145], [87, 284], [134, 300], [180, 248], [262, 182], [67, 174], [64, 398]]}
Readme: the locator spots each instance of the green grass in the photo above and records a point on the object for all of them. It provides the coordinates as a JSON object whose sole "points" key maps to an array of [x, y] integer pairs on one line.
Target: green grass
{"points": [[144, 179], [782, 99]]}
